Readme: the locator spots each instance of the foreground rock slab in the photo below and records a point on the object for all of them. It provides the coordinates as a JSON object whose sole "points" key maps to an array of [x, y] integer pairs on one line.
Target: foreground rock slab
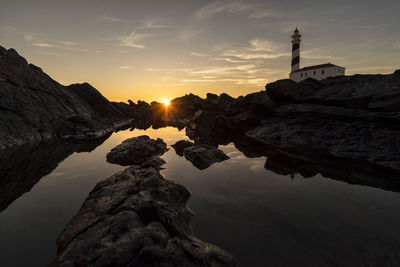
{"points": [[203, 156], [136, 150], [136, 218]]}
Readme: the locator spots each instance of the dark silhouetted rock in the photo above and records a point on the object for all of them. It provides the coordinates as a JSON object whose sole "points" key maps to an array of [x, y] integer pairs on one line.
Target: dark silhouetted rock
{"points": [[136, 218], [96, 100], [203, 156], [136, 150], [181, 145], [33, 106], [286, 91]]}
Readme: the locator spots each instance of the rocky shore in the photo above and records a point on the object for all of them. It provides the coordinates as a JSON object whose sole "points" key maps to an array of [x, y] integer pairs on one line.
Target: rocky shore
{"points": [[350, 122], [136, 218]]}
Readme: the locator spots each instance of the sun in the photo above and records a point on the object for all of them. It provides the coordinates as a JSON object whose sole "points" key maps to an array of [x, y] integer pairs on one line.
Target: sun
{"points": [[166, 102]]}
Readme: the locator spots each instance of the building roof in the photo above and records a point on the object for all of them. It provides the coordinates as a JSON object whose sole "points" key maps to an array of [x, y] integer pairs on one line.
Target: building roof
{"points": [[326, 65]]}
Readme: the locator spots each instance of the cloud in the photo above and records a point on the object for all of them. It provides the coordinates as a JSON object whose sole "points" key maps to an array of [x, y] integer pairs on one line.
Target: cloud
{"points": [[257, 49], [42, 41], [132, 39], [138, 23], [49, 45], [198, 54], [240, 65], [125, 67], [235, 7]]}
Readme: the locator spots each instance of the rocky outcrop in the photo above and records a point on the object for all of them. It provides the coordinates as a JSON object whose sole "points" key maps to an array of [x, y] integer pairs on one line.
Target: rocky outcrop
{"points": [[136, 218], [34, 107], [341, 119], [181, 145], [136, 151], [203, 156]]}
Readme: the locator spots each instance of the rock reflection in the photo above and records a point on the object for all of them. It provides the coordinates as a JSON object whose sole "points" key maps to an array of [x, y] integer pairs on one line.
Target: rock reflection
{"points": [[23, 166]]}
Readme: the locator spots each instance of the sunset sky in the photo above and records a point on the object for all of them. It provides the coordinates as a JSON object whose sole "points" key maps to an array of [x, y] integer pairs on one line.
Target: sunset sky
{"points": [[152, 50]]}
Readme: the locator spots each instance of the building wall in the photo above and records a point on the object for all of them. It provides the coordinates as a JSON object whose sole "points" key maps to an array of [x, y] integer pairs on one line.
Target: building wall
{"points": [[318, 74]]}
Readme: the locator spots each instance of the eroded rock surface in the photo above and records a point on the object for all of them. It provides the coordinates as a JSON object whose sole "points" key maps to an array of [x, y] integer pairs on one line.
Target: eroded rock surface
{"points": [[203, 156], [181, 145], [136, 218], [136, 150]]}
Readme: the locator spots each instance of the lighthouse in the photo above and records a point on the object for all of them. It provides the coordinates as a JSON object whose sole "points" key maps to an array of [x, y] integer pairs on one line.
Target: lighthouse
{"points": [[318, 72], [296, 39]]}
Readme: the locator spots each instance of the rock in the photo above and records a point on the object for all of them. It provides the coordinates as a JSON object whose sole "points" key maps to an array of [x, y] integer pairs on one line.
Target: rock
{"points": [[220, 101], [325, 135], [379, 93], [181, 145], [136, 150], [287, 91], [203, 156], [154, 162], [101, 106], [79, 127], [207, 127], [136, 218], [32, 105]]}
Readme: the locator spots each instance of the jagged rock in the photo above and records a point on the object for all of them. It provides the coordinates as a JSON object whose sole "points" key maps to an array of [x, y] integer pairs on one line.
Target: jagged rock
{"points": [[379, 93], [136, 218], [181, 145], [136, 150], [32, 105], [220, 101], [326, 135], [203, 156], [100, 104], [286, 91]]}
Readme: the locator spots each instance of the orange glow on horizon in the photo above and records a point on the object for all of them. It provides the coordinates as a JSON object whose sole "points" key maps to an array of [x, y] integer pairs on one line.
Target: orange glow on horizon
{"points": [[166, 102]]}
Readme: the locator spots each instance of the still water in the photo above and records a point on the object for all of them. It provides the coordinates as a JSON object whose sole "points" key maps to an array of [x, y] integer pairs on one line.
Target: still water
{"points": [[260, 217]]}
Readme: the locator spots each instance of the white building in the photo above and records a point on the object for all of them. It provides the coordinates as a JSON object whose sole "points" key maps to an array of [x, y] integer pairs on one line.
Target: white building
{"points": [[317, 72]]}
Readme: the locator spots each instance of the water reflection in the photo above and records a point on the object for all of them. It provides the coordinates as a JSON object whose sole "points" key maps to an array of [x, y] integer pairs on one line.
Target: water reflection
{"points": [[23, 166], [247, 205]]}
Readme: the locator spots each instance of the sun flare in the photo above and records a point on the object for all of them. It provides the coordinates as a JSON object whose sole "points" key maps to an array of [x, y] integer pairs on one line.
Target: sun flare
{"points": [[166, 102]]}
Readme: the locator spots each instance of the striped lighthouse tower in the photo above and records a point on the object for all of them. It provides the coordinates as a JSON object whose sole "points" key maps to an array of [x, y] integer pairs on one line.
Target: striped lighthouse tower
{"points": [[296, 39]]}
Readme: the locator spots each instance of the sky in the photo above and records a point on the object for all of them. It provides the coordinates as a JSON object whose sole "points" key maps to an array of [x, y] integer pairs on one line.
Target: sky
{"points": [[151, 50]]}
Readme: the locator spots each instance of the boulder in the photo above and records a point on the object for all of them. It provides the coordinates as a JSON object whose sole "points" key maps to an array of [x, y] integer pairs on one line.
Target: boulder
{"points": [[136, 218], [136, 151], [203, 156], [181, 145]]}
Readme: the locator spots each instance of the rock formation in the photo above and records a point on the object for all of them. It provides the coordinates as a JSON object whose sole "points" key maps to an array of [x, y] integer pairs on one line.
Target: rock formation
{"points": [[136, 151], [181, 145], [348, 119], [201, 156], [34, 107], [136, 218]]}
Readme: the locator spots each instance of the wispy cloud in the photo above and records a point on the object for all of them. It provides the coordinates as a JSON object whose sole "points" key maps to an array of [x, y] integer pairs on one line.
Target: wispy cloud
{"points": [[198, 54], [252, 11], [138, 23], [42, 41], [125, 67], [132, 39], [256, 50]]}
